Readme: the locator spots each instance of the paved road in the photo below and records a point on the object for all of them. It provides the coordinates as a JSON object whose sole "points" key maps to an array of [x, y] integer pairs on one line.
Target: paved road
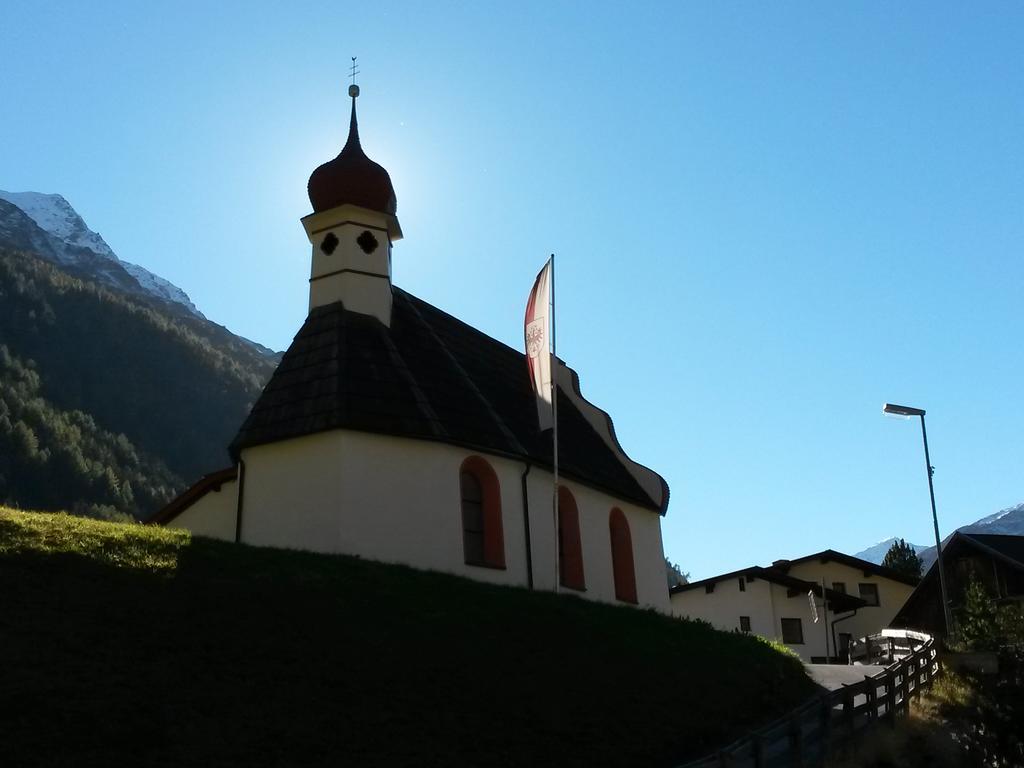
{"points": [[834, 676]]}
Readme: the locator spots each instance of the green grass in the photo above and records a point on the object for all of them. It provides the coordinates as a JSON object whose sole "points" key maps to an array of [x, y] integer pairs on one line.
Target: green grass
{"points": [[125, 644]]}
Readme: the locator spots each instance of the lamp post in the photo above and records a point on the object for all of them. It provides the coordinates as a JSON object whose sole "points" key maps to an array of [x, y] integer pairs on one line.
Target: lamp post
{"points": [[907, 411]]}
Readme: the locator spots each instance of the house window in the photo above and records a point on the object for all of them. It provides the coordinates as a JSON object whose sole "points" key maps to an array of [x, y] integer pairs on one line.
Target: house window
{"points": [[570, 551], [744, 623], [622, 557], [792, 632], [482, 538], [743, 584], [869, 593], [839, 586]]}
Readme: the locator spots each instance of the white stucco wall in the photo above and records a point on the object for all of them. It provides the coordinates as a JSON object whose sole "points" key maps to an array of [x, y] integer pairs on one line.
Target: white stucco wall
{"points": [[723, 607], [211, 515], [398, 500], [595, 538], [764, 602], [361, 280], [390, 499]]}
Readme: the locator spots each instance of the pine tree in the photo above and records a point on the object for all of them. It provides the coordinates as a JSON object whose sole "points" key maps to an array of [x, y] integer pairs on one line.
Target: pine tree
{"points": [[985, 625], [675, 574], [979, 618], [902, 558]]}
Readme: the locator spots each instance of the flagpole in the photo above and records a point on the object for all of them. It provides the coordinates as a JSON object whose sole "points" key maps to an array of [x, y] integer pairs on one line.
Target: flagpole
{"points": [[554, 417], [824, 610]]}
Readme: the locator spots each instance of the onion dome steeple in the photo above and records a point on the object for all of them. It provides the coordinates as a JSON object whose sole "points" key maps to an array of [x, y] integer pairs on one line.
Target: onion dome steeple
{"points": [[352, 177], [352, 229]]}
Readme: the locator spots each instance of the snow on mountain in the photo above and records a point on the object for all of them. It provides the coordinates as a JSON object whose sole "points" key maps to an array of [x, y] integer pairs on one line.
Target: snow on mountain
{"points": [[1009, 521], [876, 554], [55, 216], [19, 231], [160, 287]]}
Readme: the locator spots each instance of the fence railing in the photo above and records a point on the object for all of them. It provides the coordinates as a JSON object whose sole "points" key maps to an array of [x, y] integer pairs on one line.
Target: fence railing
{"points": [[888, 646], [808, 734]]}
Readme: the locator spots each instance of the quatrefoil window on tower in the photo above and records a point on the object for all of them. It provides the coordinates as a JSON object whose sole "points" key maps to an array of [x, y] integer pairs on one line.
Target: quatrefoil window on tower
{"points": [[329, 244], [367, 242]]}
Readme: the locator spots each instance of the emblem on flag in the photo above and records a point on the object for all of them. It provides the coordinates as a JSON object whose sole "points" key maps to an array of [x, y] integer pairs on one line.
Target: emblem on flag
{"points": [[535, 338]]}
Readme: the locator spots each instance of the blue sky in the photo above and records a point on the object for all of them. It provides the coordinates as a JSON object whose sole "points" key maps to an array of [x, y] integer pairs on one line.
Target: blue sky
{"points": [[769, 219]]}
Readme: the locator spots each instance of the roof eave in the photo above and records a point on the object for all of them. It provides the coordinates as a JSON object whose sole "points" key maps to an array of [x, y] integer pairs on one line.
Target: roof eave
{"points": [[209, 482], [856, 562]]}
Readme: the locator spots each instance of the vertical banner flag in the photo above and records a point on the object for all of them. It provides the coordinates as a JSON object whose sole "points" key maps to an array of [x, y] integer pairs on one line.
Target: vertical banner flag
{"points": [[538, 344]]}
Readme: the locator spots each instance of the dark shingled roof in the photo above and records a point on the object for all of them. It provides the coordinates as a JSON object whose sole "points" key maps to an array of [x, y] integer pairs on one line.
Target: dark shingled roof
{"points": [[432, 377], [831, 555], [839, 601]]}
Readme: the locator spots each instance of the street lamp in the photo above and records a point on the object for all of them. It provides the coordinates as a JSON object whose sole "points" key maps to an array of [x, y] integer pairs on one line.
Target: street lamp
{"points": [[907, 412]]}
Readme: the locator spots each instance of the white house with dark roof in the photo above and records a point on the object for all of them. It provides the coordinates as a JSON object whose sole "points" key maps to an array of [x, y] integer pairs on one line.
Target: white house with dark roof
{"points": [[393, 431], [859, 599]]}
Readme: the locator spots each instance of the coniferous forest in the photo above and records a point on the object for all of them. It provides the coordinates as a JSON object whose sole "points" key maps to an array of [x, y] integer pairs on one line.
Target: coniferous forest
{"points": [[110, 405]]}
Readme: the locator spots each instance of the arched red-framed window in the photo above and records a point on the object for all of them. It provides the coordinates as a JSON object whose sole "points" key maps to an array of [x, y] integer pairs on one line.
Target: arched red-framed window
{"points": [[570, 551], [622, 557], [482, 538]]}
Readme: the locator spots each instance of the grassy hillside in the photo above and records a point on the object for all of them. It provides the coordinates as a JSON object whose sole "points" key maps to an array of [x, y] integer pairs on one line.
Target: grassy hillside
{"points": [[98, 389], [125, 644]]}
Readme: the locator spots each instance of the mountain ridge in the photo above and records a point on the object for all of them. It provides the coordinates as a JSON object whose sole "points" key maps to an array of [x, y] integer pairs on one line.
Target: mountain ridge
{"points": [[53, 214], [115, 390], [1009, 520], [876, 553], [48, 226], [99, 388]]}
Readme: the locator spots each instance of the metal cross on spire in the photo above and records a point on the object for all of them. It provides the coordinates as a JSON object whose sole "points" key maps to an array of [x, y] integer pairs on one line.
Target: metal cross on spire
{"points": [[353, 90]]}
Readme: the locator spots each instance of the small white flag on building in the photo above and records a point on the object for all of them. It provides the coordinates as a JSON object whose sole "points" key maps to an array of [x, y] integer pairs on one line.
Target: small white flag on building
{"points": [[814, 607], [538, 344]]}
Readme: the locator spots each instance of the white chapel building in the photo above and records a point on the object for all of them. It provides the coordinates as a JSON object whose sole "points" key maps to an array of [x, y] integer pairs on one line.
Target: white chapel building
{"points": [[393, 431]]}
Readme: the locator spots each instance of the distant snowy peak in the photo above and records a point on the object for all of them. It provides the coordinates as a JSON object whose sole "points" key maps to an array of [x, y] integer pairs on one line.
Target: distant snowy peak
{"points": [[876, 554], [1006, 521], [55, 216]]}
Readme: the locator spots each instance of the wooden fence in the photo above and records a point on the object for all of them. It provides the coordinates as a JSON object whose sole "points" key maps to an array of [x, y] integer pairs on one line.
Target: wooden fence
{"points": [[810, 733]]}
